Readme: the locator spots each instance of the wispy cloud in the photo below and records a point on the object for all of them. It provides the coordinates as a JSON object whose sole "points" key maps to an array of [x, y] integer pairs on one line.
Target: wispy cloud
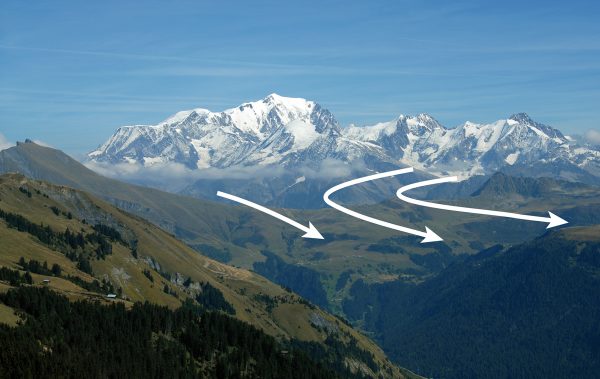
{"points": [[189, 66], [176, 176], [103, 97], [593, 136], [254, 69], [170, 176], [42, 143], [93, 53], [5, 143]]}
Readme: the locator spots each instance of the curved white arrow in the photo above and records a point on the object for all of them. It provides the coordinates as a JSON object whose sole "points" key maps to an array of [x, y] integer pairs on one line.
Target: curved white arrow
{"points": [[552, 221], [311, 231], [428, 235]]}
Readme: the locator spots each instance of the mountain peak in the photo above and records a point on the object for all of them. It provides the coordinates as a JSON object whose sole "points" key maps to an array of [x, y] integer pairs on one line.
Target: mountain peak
{"points": [[425, 117], [260, 108], [278, 100], [274, 97], [522, 118], [200, 138], [422, 122], [548, 131]]}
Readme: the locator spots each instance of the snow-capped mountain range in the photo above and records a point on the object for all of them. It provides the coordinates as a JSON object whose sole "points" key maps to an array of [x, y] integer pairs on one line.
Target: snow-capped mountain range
{"points": [[293, 132], [475, 149], [275, 130]]}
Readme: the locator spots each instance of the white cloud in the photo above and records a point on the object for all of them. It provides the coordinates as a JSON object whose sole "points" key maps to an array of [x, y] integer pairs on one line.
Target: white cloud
{"points": [[4, 143], [331, 168], [42, 143], [175, 176], [171, 177], [593, 136]]}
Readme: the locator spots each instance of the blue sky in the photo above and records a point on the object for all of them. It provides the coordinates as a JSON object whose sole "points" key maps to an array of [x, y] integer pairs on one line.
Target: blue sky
{"points": [[71, 72]]}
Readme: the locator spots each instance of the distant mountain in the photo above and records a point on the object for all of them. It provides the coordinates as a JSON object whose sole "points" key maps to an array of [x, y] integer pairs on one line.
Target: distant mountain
{"points": [[516, 143], [280, 150], [180, 215], [275, 130], [502, 185]]}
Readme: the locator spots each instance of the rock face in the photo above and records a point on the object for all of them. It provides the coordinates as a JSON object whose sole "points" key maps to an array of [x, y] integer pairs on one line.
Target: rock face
{"points": [[299, 136]]}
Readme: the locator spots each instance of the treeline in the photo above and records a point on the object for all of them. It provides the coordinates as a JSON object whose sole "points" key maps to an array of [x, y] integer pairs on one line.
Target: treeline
{"points": [[58, 212], [14, 277], [76, 246], [335, 352], [208, 297], [86, 339], [40, 268], [302, 280], [222, 255], [110, 232], [36, 267], [25, 191], [43, 233], [211, 298]]}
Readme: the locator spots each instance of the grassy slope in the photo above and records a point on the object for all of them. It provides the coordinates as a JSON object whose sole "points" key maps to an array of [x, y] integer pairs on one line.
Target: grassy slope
{"points": [[8, 316], [591, 233], [292, 319]]}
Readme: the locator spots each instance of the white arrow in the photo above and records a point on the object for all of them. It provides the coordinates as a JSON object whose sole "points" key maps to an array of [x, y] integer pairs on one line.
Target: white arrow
{"points": [[552, 221], [428, 235], [311, 231]]}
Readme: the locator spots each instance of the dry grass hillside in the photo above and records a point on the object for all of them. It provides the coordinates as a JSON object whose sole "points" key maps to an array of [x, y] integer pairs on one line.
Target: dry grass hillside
{"points": [[149, 264]]}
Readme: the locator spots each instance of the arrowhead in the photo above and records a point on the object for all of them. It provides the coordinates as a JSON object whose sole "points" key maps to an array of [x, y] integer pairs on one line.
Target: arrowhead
{"points": [[555, 221], [431, 236], [313, 232]]}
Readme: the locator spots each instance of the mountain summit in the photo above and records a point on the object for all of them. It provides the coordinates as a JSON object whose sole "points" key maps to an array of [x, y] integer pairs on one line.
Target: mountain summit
{"points": [[200, 138]]}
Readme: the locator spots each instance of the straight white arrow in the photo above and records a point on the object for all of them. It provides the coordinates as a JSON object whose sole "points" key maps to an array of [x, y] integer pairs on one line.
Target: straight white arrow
{"points": [[428, 235], [552, 221], [311, 231]]}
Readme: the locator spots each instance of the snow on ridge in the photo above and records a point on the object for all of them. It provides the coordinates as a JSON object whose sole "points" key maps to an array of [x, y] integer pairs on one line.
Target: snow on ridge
{"points": [[304, 133], [282, 130], [370, 132], [511, 158], [538, 132], [181, 116]]}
